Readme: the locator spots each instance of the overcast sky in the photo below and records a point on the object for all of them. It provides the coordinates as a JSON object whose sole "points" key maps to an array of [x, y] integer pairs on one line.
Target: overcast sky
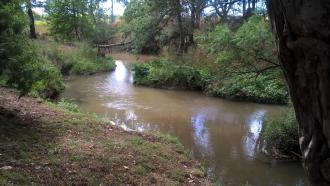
{"points": [[118, 8]]}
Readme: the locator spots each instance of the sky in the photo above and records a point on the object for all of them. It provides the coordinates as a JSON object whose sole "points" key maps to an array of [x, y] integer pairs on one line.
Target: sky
{"points": [[118, 8]]}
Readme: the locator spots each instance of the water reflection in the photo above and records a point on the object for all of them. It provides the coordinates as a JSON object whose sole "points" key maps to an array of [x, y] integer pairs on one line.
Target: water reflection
{"points": [[121, 73], [254, 124], [201, 133], [221, 133]]}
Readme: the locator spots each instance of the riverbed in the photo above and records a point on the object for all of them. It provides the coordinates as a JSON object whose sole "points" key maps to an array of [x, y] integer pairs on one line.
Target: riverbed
{"points": [[221, 134]]}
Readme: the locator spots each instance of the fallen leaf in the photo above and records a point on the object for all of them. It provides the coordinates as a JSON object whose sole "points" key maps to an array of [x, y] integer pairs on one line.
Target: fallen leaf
{"points": [[6, 168]]}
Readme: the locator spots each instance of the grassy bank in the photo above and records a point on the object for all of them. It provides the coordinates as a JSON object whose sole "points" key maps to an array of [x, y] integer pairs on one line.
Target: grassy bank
{"points": [[74, 58], [263, 88], [55, 60], [55, 144], [41, 74]]}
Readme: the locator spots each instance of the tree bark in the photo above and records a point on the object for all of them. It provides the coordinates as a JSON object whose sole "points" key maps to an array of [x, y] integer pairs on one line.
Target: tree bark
{"points": [[179, 19], [192, 21], [244, 7], [302, 31], [75, 24], [33, 34], [112, 14], [254, 5]]}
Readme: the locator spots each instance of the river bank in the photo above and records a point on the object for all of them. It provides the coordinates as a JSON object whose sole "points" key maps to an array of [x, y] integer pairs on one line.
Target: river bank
{"points": [[43, 143], [260, 88], [220, 133]]}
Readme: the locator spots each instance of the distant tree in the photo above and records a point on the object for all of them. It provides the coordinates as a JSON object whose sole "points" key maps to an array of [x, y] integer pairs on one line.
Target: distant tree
{"points": [[19, 64], [248, 49], [302, 30], [151, 23], [223, 7], [196, 8], [145, 20], [73, 19]]}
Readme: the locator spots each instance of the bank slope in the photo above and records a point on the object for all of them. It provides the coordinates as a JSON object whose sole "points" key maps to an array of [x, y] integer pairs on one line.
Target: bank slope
{"points": [[43, 144]]}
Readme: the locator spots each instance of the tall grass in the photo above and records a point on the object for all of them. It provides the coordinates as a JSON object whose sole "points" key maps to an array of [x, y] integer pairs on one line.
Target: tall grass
{"points": [[75, 58]]}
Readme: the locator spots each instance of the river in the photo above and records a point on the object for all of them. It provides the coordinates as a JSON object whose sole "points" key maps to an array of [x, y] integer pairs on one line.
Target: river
{"points": [[222, 134]]}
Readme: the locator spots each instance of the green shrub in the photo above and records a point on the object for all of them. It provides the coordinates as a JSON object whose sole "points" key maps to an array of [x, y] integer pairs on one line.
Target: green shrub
{"points": [[246, 62], [50, 83], [266, 88], [20, 65], [262, 88], [166, 74], [282, 133]]}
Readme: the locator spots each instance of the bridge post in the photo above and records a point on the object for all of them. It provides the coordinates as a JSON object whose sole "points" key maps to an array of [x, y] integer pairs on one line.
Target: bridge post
{"points": [[101, 52]]}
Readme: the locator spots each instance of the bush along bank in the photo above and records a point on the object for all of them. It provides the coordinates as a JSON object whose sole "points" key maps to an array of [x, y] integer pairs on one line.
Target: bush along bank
{"points": [[77, 58], [263, 88], [55, 60], [280, 136], [162, 74]]}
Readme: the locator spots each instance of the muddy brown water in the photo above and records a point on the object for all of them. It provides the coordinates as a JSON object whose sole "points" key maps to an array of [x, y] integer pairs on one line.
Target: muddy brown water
{"points": [[222, 134]]}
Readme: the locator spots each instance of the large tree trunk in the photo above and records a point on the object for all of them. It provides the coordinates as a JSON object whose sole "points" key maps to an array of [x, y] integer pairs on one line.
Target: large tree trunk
{"points": [[179, 20], [192, 21], [302, 30], [112, 14], [254, 5], [244, 7], [33, 34]]}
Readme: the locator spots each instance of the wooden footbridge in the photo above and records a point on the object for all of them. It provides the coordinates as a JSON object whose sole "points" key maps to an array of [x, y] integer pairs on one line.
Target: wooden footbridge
{"points": [[103, 49]]}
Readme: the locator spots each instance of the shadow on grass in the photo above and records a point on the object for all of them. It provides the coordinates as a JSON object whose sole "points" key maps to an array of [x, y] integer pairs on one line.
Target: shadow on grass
{"points": [[22, 143]]}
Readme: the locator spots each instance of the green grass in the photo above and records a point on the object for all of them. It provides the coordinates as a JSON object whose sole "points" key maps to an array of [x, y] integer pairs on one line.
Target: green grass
{"points": [[8, 177], [78, 58], [68, 105], [41, 27]]}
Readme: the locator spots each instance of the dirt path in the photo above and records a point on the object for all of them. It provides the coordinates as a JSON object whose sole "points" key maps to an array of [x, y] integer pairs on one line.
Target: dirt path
{"points": [[43, 144]]}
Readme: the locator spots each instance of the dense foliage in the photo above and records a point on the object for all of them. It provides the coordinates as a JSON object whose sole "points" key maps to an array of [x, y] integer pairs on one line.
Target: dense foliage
{"points": [[153, 24], [281, 134], [265, 88], [249, 49], [245, 65], [168, 75], [83, 20], [78, 58], [144, 22], [165, 74], [246, 62], [20, 66]]}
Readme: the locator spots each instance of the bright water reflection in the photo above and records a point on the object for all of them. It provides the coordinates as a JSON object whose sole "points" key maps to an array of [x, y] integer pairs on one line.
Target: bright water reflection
{"points": [[201, 133], [254, 123], [221, 133]]}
